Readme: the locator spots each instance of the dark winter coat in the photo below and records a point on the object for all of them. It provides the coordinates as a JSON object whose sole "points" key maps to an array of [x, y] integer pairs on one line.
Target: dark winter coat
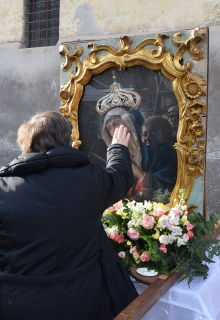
{"points": [[56, 262]]}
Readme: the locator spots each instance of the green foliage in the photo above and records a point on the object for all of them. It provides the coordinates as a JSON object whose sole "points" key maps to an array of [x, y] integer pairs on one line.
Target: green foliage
{"points": [[199, 250]]}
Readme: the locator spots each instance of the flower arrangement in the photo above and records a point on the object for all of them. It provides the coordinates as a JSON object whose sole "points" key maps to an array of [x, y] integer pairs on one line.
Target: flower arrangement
{"points": [[146, 234]]}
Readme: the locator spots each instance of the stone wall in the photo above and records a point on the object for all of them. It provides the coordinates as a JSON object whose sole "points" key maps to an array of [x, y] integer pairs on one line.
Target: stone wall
{"points": [[213, 129], [12, 21], [127, 16]]}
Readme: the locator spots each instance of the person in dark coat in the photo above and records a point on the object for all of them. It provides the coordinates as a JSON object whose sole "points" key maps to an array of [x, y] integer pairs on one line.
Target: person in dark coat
{"points": [[56, 262]]}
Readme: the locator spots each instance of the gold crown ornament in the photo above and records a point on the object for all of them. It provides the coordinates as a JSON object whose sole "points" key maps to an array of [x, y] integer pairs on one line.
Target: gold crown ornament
{"points": [[118, 98]]}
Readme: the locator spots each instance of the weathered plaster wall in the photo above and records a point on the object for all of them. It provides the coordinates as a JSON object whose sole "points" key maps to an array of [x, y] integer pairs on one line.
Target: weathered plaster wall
{"points": [[126, 16], [11, 21], [29, 83], [213, 132], [95, 17]]}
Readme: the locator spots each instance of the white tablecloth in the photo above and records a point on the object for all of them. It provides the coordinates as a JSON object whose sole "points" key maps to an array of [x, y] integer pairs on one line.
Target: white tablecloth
{"points": [[200, 302]]}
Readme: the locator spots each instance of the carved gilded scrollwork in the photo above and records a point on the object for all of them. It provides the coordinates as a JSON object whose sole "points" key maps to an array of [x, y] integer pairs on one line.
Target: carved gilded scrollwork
{"points": [[64, 51], [188, 88]]}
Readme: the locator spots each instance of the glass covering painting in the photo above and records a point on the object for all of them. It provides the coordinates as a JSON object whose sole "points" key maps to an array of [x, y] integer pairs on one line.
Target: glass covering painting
{"points": [[143, 101]]}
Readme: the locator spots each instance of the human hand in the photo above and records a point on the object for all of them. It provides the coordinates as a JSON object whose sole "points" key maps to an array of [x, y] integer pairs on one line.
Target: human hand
{"points": [[121, 136]]}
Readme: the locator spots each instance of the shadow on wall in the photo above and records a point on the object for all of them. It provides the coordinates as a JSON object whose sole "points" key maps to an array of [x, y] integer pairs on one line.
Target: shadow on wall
{"points": [[84, 20]]}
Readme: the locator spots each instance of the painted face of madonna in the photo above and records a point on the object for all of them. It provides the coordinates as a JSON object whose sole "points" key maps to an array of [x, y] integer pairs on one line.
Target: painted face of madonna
{"points": [[113, 124]]}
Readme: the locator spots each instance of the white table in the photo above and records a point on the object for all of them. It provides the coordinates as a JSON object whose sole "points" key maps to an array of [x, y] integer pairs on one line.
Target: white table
{"points": [[200, 302]]}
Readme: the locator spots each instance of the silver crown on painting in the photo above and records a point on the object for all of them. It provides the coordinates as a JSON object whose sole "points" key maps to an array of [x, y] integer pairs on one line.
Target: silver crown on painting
{"points": [[118, 98]]}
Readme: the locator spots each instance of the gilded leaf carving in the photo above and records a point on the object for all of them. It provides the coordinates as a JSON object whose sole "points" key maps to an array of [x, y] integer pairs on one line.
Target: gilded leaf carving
{"points": [[70, 57], [189, 44]]}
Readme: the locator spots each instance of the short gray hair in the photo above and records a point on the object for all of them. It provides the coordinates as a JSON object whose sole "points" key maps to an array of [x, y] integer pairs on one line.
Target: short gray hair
{"points": [[44, 132]]}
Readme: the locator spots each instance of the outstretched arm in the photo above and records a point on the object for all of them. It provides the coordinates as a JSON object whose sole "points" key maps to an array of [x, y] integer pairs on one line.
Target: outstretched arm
{"points": [[119, 176]]}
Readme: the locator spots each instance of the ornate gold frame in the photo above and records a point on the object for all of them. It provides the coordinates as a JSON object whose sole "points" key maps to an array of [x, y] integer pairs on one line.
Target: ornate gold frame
{"points": [[188, 87]]}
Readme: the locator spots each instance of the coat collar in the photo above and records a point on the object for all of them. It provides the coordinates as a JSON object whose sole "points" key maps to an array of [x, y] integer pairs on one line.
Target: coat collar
{"points": [[61, 157]]}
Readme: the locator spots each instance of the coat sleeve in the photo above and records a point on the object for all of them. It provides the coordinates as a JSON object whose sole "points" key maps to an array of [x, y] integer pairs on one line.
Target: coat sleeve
{"points": [[118, 175]]}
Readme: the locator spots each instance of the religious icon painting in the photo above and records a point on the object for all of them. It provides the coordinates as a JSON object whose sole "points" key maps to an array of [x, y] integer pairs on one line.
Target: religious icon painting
{"points": [[155, 86]]}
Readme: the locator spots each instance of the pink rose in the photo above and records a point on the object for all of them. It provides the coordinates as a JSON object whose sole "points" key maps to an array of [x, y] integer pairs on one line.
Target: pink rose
{"points": [[148, 222], [118, 205], [133, 234], [186, 213], [175, 211], [163, 248], [112, 236], [164, 239], [119, 238], [189, 226], [144, 256], [190, 234], [121, 254]]}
